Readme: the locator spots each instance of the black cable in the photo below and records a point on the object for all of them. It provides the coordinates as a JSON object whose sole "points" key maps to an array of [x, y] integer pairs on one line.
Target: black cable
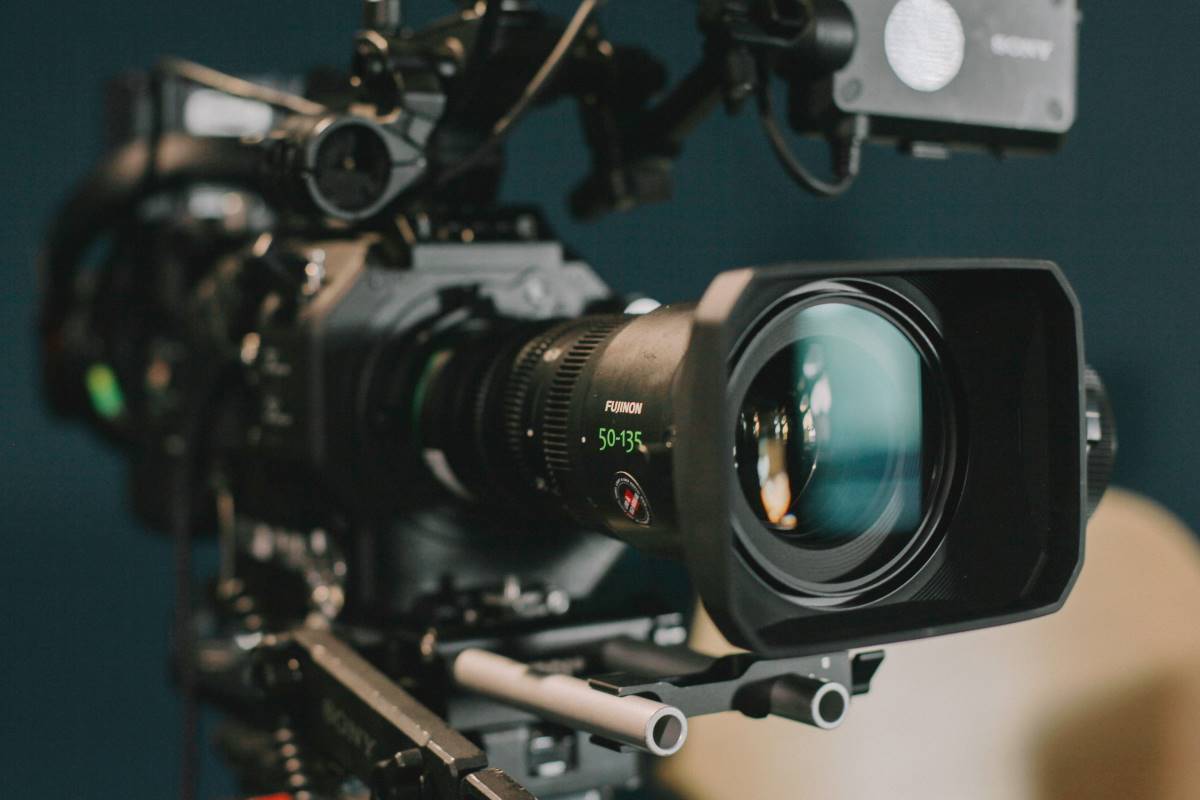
{"points": [[485, 38], [187, 451], [530, 94], [181, 534], [180, 524], [847, 150]]}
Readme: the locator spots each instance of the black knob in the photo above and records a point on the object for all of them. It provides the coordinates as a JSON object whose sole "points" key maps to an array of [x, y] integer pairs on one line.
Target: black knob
{"points": [[1101, 431], [385, 16]]}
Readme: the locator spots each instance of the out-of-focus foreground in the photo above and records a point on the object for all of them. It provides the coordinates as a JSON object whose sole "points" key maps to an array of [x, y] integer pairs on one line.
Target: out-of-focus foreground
{"points": [[1097, 702]]}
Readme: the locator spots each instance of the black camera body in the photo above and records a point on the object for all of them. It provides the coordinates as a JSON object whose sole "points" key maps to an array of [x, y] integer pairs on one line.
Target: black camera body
{"points": [[387, 392], [335, 392], [424, 432]]}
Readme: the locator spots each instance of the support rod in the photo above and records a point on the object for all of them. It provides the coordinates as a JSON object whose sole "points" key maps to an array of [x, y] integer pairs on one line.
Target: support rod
{"points": [[638, 722]]}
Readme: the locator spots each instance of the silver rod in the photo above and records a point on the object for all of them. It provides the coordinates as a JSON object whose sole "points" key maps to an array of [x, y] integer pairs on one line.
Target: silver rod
{"points": [[638, 722], [810, 700]]}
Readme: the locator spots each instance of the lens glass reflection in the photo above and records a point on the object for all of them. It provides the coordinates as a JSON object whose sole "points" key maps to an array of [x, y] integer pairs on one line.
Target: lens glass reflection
{"points": [[830, 434]]}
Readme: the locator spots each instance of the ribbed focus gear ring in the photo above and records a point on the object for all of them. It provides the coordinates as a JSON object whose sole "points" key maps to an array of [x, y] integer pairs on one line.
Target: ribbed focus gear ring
{"points": [[536, 422], [1101, 438], [557, 407], [516, 397]]}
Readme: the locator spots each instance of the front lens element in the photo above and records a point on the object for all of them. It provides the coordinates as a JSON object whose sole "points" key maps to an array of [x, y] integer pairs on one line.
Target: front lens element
{"points": [[830, 435]]}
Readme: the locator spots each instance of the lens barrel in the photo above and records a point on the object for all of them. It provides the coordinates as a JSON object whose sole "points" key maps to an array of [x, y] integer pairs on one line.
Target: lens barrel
{"points": [[903, 443], [571, 419], [838, 443]]}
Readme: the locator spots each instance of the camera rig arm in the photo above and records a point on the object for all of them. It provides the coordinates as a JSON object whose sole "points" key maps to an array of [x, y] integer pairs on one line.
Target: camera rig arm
{"points": [[372, 727], [425, 113], [351, 713], [633, 144], [419, 122]]}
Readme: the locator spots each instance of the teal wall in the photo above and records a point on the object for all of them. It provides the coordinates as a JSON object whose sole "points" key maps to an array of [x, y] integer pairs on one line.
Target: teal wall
{"points": [[87, 707]]}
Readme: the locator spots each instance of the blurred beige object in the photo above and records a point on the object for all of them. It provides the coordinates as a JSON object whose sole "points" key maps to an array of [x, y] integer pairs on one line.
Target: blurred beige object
{"points": [[1098, 701]]}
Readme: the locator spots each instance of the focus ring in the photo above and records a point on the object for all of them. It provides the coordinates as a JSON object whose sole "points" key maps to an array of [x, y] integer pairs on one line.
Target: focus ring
{"points": [[557, 407], [1101, 438], [538, 398], [516, 397]]}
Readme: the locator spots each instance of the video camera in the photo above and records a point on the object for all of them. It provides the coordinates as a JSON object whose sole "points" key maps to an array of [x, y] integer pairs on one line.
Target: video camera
{"points": [[425, 433]]}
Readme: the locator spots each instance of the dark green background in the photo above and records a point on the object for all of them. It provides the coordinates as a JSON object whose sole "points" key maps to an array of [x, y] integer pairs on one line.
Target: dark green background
{"points": [[86, 707]]}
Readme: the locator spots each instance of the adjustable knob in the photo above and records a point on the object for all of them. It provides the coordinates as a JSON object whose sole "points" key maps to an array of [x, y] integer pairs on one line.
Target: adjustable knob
{"points": [[385, 16], [1101, 432]]}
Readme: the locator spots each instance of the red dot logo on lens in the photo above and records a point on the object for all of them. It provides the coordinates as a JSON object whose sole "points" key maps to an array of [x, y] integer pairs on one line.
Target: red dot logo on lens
{"points": [[631, 499]]}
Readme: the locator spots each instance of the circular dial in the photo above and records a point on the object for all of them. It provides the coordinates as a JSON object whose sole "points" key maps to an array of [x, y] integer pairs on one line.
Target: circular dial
{"points": [[352, 167]]}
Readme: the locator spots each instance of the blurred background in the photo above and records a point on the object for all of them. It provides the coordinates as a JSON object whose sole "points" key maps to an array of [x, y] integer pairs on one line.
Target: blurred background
{"points": [[88, 707]]}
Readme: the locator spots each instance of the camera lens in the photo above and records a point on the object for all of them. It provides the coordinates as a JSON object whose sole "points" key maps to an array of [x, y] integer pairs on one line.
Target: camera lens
{"points": [[829, 434], [837, 440]]}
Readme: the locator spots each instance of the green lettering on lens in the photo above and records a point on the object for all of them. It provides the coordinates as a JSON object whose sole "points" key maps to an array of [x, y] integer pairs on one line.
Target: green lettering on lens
{"points": [[104, 391], [624, 439]]}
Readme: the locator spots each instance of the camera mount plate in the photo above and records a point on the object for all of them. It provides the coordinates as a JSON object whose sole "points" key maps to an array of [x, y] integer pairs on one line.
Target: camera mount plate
{"points": [[813, 689], [350, 711]]}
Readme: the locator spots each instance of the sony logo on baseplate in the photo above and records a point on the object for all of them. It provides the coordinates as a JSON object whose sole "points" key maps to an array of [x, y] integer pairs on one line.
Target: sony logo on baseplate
{"points": [[348, 729]]}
